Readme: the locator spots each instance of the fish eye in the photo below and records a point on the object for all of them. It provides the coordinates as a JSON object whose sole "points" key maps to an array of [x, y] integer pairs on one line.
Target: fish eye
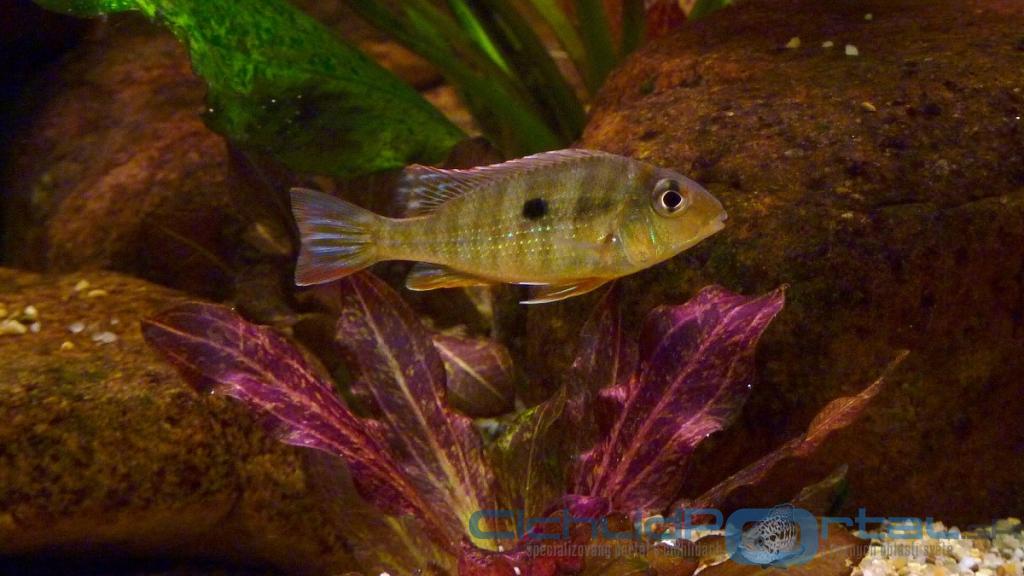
{"points": [[669, 199]]}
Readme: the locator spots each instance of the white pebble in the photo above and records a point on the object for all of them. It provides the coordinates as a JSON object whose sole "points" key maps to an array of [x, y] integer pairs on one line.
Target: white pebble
{"points": [[12, 327], [82, 285], [114, 321], [104, 337], [828, 44], [76, 327], [516, 570], [30, 313], [968, 563], [97, 293], [793, 43], [35, 327], [991, 560], [851, 50]]}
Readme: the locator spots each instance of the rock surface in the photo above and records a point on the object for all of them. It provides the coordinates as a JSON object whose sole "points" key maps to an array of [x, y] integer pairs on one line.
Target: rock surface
{"points": [[105, 452], [887, 189], [115, 169], [112, 167]]}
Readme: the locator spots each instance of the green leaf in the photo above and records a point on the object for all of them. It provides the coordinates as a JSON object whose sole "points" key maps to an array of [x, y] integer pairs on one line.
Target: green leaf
{"points": [[597, 38], [700, 8], [475, 28], [499, 101], [566, 33], [633, 24], [531, 63], [531, 458], [282, 84]]}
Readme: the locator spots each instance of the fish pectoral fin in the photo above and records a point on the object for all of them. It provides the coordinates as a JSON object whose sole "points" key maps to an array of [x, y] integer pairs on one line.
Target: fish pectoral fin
{"points": [[556, 292], [424, 276]]}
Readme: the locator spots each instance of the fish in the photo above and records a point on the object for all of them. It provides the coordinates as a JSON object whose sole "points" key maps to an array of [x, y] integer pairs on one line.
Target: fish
{"points": [[773, 540], [565, 221]]}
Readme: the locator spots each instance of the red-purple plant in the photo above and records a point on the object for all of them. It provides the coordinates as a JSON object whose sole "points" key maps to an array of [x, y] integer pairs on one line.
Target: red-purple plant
{"points": [[616, 439]]}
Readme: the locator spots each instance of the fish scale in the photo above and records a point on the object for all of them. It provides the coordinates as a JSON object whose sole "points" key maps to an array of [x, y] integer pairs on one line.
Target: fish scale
{"points": [[569, 219]]}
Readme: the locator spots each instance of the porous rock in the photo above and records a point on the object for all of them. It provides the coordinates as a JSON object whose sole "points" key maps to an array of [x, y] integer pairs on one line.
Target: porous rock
{"points": [[896, 226], [106, 452]]}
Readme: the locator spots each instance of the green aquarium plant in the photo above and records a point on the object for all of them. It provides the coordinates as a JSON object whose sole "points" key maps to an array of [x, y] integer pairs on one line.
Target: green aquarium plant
{"points": [[282, 84], [615, 441]]}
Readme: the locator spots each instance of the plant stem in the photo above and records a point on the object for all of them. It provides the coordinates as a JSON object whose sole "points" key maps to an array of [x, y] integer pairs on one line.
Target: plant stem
{"points": [[567, 36], [597, 38], [472, 25], [501, 105], [633, 22], [533, 65]]}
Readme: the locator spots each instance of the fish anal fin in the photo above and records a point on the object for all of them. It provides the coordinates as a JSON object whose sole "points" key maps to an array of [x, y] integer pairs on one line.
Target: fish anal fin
{"points": [[424, 276], [556, 292]]}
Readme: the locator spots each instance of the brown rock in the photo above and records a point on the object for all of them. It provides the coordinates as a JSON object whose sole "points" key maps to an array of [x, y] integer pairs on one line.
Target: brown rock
{"points": [[899, 228], [113, 168], [116, 170], [104, 449]]}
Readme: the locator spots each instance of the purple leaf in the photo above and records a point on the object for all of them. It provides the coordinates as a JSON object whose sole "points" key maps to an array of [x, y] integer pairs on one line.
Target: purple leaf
{"points": [[395, 363], [216, 350], [589, 507], [836, 415], [606, 355], [820, 497], [479, 375], [696, 368], [380, 543], [553, 556], [476, 562], [605, 362]]}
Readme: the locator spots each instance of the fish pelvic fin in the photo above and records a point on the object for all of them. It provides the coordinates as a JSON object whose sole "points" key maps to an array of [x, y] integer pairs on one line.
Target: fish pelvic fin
{"points": [[338, 238], [555, 292], [424, 276]]}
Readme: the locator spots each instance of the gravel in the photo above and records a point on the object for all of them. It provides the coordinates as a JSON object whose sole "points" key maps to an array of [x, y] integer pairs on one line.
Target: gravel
{"points": [[996, 550]]}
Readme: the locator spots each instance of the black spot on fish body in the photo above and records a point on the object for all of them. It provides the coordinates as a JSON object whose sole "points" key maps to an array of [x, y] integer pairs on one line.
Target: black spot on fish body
{"points": [[535, 208]]}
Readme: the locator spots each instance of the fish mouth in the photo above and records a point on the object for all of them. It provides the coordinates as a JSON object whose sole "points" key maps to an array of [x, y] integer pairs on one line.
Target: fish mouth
{"points": [[715, 225]]}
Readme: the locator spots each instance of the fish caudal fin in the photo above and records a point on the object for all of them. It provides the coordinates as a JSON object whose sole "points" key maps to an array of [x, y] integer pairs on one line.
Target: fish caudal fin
{"points": [[338, 238]]}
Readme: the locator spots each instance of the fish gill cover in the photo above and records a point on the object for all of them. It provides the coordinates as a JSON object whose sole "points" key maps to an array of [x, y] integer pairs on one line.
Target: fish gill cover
{"points": [[615, 439]]}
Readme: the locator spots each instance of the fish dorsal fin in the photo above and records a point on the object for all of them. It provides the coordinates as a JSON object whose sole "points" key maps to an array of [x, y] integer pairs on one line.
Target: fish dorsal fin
{"points": [[423, 188]]}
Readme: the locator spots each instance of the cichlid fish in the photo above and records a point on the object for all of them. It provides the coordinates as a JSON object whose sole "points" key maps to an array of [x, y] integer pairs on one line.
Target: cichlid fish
{"points": [[568, 221]]}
